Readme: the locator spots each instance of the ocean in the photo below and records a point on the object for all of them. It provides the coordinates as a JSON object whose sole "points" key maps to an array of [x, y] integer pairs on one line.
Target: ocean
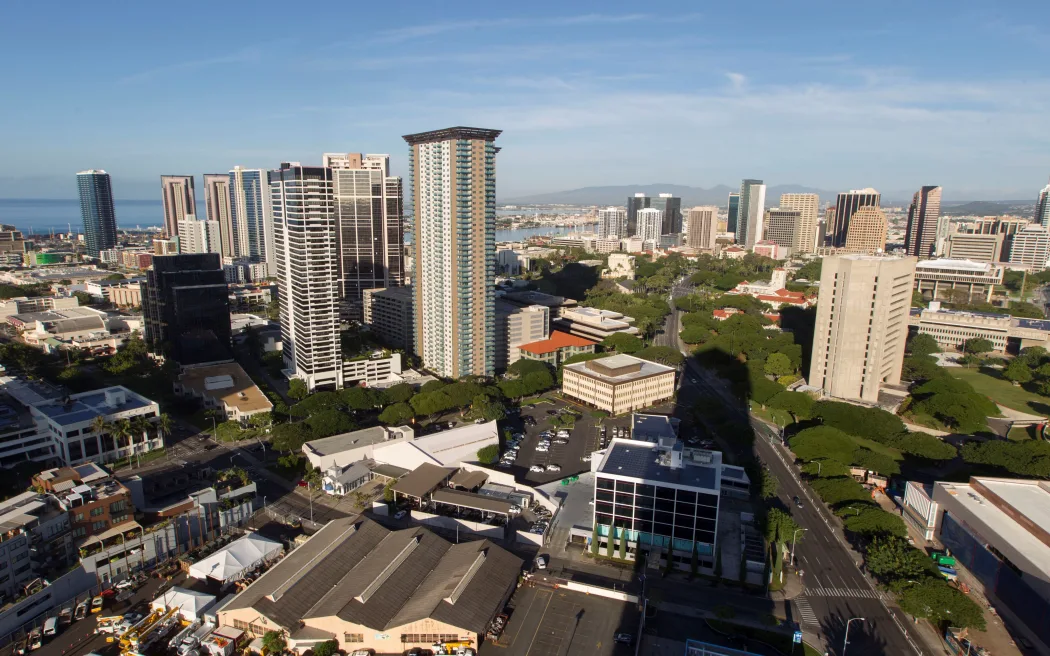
{"points": [[35, 215]]}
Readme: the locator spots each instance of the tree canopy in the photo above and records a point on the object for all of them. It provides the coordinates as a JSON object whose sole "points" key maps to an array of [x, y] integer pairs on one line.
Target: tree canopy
{"points": [[891, 557], [664, 355], [780, 526], [978, 345], [1026, 458], [922, 344], [875, 521], [939, 602], [820, 442], [397, 414], [622, 343], [838, 490], [798, 404], [872, 423]]}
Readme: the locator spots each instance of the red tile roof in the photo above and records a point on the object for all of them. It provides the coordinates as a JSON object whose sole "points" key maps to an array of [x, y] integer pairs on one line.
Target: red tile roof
{"points": [[558, 339]]}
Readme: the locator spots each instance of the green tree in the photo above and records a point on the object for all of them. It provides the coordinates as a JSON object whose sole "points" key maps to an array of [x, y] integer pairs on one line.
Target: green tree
{"points": [[977, 345], [399, 393], [397, 414], [778, 364], [594, 539], [768, 485], [780, 526], [432, 386], [622, 343], [839, 490], [360, 398], [431, 403], [1030, 458], [623, 545], [290, 437], [924, 368], [488, 409], [274, 642], [664, 355], [826, 468], [297, 389], [922, 345], [891, 557], [488, 455], [609, 546], [938, 602], [797, 404], [1017, 371], [877, 462], [822, 442], [872, 423], [875, 521], [329, 422], [326, 648]]}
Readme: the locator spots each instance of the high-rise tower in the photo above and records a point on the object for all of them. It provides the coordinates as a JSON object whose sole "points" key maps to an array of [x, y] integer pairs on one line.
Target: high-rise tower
{"points": [[867, 231], [808, 207], [612, 223], [453, 182], [862, 324], [217, 206], [251, 216], [306, 259], [703, 227], [752, 210], [846, 204], [733, 212], [179, 199], [924, 213], [1042, 208], [96, 208]]}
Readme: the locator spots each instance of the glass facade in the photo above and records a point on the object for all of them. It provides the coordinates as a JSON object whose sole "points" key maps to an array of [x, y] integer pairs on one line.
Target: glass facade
{"points": [[655, 516], [186, 306], [249, 205], [96, 209], [734, 212]]}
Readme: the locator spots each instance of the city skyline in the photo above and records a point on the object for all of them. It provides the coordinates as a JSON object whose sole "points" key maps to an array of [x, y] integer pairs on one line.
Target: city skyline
{"points": [[570, 85]]}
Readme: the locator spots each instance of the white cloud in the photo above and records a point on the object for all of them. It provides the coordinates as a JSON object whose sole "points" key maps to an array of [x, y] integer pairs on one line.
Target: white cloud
{"points": [[418, 31], [737, 81], [242, 56]]}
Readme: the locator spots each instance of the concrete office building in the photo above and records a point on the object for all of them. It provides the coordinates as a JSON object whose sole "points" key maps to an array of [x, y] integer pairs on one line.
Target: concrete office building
{"points": [[218, 209], [186, 308], [612, 223], [867, 231], [808, 207], [306, 249], [179, 201], [389, 314], [592, 323], [924, 223], [845, 205], [782, 226], [650, 222], [618, 383], [952, 328], [975, 247], [752, 211], [199, 236], [998, 529], [1042, 208], [370, 234], [251, 212], [453, 181], [557, 348], [1030, 247], [703, 227], [993, 225], [861, 325], [959, 281], [516, 326], [733, 212], [35, 541], [96, 209]]}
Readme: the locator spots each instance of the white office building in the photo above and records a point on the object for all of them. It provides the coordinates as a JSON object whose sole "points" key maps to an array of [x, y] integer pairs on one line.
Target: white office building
{"points": [[650, 223], [199, 236], [612, 223]]}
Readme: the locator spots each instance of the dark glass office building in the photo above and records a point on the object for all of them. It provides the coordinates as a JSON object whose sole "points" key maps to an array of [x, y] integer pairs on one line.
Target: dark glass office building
{"points": [[186, 304], [96, 208], [734, 212], [670, 205]]}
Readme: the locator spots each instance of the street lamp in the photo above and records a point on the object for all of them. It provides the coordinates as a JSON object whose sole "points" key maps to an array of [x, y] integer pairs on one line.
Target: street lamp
{"points": [[818, 467], [845, 641], [793, 544]]}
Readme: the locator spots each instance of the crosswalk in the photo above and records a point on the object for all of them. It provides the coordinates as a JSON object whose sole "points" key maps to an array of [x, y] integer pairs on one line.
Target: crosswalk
{"points": [[842, 592], [805, 611]]}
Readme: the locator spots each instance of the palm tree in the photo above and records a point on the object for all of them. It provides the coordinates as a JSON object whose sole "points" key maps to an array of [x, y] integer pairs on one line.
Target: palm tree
{"points": [[122, 432], [141, 425], [99, 425], [164, 425]]}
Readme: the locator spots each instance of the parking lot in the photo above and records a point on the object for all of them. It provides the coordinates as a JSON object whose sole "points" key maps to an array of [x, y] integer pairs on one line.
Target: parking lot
{"points": [[584, 438], [557, 621]]}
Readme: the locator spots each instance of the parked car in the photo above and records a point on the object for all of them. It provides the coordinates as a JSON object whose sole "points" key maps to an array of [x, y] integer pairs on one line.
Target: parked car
{"points": [[553, 468], [586, 458], [35, 639], [96, 604], [125, 584], [542, 448], [541, 562], [624, 638], [561, 440], [51, 627], [82, 609], [65, 616], [400, 514], [536, 468]]}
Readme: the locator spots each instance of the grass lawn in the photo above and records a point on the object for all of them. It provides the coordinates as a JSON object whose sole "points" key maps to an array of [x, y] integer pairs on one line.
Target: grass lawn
{"points": [[774, 415], [877, 448], [1002, 391], [1019, 433]]}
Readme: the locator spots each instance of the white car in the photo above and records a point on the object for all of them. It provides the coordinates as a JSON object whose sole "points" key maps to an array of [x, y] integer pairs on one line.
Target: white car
{"points": [[542, 449], [537, 469], [561, 440], [553, 468], [563, 433], [586, 458], [400, 514]]}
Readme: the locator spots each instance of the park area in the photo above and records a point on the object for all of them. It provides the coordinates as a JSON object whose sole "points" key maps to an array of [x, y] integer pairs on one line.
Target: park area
{"points": [[987, 381]]}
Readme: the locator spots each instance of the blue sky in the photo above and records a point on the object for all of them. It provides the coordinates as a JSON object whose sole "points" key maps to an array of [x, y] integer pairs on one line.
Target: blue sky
{"points": [[821, 94]]}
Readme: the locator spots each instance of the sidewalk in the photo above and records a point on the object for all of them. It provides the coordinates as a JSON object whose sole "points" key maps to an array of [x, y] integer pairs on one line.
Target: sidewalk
{"points": [[813, 639]]}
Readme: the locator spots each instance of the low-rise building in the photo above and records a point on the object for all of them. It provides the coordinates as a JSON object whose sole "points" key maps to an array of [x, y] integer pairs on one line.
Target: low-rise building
{"points": [[618, 383], [998, 529], [347, 448], [368, 587], [773, 291], [557, 348], [225, 387], [516, 325], [952, 328], [95, 501], [557, 305], [398, 445], [35, 540], [594, 324], [771, 249], [975, 247], [373, 368], [24, 305], [962, 281], [68, 423], [621, 265], [1030, 247], [338, 481], [388, 310]]}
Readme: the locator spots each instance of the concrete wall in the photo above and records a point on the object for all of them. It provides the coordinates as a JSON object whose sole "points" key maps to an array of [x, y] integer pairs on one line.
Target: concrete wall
{"points": [[529, 538], [450, 523], [503, 478], [600, 592], [32, 611]]}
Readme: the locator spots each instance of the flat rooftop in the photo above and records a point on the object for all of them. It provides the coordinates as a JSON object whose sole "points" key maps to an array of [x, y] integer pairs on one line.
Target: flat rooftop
{"points": [[968, 266], [645, 460], [530, 297], [328, 446], [227, 382], [87, 406], [619, 368]]}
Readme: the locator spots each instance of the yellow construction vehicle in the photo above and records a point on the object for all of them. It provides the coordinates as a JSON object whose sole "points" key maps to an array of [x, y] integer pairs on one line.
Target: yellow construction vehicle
{"points": [[148, 631]]}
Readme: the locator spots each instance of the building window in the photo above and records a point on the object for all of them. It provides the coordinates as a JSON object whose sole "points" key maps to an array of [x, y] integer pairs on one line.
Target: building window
{"points": [[118, 506], [99, 525], [429, 638], [97, 512], [353, 637]]}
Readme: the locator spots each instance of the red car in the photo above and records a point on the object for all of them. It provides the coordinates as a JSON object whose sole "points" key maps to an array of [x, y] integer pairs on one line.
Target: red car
{"points": [[303, 484]]}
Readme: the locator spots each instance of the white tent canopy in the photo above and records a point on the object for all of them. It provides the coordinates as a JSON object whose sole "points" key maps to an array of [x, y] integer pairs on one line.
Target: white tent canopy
{"points": [[191, 604], [234, 559]]}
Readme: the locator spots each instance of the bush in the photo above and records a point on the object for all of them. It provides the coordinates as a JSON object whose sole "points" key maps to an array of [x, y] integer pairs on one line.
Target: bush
{"points": [[488, 455], [822, 442], [838, 490]]}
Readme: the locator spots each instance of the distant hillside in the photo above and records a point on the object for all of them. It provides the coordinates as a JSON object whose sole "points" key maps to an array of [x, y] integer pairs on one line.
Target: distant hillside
{"points": [[617, 195], [988, 208]]}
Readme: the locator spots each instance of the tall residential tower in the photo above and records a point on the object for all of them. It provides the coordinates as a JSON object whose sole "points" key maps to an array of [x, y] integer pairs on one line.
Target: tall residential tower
{"points": [[453, 182], [924, 214], [703, 227], [1042, 208], [612, 223], [752, 210], [808, 207], [251, 216], [179, 199], [96, 208], [217, 208], [845, 205]]}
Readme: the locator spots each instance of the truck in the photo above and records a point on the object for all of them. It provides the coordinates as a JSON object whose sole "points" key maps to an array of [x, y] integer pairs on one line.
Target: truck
{"points": [[184, 633], [949, 573], [193, 640], [223, 641], [942, 559]]}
